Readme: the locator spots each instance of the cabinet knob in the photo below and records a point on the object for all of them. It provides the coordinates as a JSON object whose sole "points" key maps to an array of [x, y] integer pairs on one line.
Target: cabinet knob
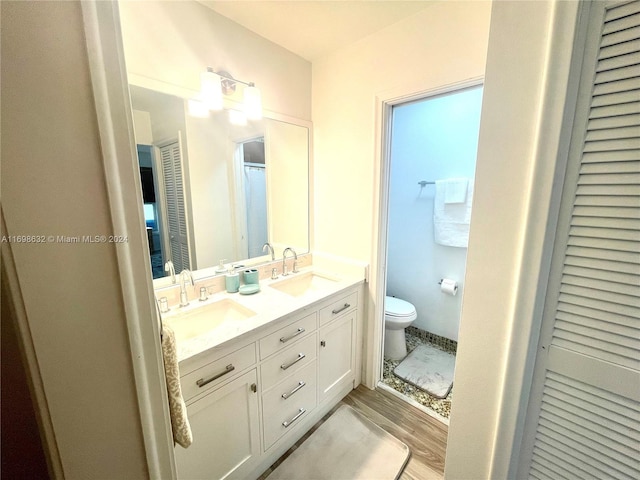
{"points": [[254, 388], [323, 343]]}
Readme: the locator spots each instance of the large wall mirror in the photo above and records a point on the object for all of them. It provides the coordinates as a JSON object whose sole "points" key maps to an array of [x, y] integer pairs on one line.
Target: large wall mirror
{"points": [[214, 190]]}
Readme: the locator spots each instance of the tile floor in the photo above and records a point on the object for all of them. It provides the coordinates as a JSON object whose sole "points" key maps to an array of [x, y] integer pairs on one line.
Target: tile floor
{"points": [[440, 406]]}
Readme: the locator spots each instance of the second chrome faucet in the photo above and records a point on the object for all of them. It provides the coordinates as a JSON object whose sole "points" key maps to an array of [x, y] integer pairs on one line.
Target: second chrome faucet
{"points": [[184, 299], [284, 261]]}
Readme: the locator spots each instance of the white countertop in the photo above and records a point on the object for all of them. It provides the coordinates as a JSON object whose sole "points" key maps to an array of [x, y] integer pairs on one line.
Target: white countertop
{"points": [[269, 305]]}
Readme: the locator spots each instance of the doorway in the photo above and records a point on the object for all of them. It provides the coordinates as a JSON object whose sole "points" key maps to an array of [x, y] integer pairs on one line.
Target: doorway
{"points": [[152, 208], [251, 197], [431, 152]]}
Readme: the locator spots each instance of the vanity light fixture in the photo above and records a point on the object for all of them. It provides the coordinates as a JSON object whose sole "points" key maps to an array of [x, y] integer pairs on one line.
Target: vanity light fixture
{"points": [[213, 85], [211, 89], [252, 102]]}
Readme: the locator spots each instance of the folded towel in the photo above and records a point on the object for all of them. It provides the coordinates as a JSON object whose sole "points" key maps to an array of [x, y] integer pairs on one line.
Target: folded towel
{"points": [[455, 190], [451, 220], [177, 408]]}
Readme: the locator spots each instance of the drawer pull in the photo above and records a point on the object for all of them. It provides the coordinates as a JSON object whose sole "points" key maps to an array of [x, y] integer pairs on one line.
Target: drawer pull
{"points": [[300, 357], [203, 381], [298, 332], [344, 307], [287, 395], [298, 415]]}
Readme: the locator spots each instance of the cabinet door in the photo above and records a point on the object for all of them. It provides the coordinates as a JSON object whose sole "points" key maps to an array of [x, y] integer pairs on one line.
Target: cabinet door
{"points": [[225, 431], [337, 342]]}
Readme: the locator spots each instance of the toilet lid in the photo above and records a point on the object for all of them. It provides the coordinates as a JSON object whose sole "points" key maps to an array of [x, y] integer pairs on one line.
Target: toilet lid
{"points": [[398, 308]]}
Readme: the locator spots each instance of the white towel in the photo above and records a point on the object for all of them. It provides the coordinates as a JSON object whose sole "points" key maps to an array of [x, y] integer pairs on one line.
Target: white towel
{"points": [[455, 190], [451, 220], [177, 408]]}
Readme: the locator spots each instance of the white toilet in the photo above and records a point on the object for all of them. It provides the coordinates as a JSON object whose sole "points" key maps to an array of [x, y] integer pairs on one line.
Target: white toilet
{"points": [[398, 315]]}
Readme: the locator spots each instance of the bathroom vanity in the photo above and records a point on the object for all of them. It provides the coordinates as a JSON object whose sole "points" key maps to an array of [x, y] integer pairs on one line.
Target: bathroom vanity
{"points": [[261, 377]]}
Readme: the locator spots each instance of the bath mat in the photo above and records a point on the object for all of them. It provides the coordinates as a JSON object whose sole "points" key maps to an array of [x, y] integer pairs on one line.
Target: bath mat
{"points": [[428, 368], [346, 446]]}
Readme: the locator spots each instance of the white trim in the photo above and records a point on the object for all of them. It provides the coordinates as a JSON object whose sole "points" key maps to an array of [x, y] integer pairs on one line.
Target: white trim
{"points": [[555, 118], [34, 379], [384, 103], [114, 116]]}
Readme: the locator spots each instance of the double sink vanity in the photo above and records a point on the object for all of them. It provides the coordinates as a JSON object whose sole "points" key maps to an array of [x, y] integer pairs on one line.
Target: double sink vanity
{"points": [[257, 371]]}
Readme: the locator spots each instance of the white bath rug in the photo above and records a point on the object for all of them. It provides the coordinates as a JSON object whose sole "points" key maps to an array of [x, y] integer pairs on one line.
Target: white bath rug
{"points": [[428, 368], [347, 446]]}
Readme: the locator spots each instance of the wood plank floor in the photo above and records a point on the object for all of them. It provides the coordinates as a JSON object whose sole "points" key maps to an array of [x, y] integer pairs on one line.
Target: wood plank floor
{"points": [[425, 436]]}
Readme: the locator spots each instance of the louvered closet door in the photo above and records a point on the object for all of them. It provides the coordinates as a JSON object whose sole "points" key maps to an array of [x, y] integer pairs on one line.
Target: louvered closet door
{"points": [[584, 414], [175, 205]]}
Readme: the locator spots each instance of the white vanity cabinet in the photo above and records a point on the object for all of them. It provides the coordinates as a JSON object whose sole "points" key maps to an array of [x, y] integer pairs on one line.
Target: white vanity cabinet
{"points": [[337, 353], [262, 394], [226, 432], [221, 394]]}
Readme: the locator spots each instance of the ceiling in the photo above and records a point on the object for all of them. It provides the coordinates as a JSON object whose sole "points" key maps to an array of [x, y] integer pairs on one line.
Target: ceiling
{"points": [[312, 28]]}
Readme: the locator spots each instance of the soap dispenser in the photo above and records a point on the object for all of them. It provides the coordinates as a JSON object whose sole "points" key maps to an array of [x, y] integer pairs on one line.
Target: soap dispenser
{"points": [[232, 280]]}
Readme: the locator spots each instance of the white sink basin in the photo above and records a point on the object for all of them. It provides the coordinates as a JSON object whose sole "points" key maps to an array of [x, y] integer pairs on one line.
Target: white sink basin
{"points": [[207, 317], [301, 284]]}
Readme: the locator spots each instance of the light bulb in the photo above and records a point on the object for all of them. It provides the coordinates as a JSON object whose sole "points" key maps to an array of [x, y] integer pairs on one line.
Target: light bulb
{"points": [[252, 102], [211, 90]]}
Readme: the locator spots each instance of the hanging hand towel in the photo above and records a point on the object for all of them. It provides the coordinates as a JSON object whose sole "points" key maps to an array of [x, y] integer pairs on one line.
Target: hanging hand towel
{"points": [[177, 408], [455, 190], [451, 220]]}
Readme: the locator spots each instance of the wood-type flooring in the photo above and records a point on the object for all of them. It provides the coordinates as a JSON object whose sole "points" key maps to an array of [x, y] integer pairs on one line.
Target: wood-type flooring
{"points": [[425, 436]]}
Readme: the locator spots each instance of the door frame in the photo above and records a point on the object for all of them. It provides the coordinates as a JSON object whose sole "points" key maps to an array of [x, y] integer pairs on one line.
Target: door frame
{"points": [[114, 117], [378, 280]]}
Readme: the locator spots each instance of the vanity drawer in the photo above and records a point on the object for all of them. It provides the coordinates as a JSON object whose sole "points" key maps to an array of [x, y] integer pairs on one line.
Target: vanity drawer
{"points": [[291, 397], [288, 361], [214, 373], [335, 309], [287, 335]]}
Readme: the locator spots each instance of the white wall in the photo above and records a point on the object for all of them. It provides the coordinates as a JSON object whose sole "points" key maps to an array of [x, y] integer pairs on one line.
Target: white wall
{"points": [[210, 181], [287, 158], [440, 45], [53, 183], [524, 96], [432, 139], [169, 43], [142, 127]]}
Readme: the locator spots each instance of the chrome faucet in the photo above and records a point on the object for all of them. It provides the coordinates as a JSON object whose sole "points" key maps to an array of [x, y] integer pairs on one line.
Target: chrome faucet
{"points": [[284, 258], [184, 300], [168, 267], [267, 246]]}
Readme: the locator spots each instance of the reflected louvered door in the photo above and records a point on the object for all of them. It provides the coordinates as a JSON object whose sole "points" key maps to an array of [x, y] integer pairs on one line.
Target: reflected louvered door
{"points": [[583, 419], [175, 205]]}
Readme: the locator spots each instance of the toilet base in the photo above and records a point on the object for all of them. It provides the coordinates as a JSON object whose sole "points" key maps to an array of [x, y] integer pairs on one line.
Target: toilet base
{"points": [[395, 345]]}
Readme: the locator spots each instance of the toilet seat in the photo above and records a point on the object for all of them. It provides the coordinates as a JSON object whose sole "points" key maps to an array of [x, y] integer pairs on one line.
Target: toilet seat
{"points": [[396, 307]]}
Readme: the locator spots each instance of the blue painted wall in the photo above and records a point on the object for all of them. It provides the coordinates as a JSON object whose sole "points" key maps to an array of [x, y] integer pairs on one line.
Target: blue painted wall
{"points": [[432, 139]]}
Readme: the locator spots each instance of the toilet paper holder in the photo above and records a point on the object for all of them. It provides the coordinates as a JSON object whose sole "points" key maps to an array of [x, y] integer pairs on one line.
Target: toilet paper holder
{"points": [[448, 286]]}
